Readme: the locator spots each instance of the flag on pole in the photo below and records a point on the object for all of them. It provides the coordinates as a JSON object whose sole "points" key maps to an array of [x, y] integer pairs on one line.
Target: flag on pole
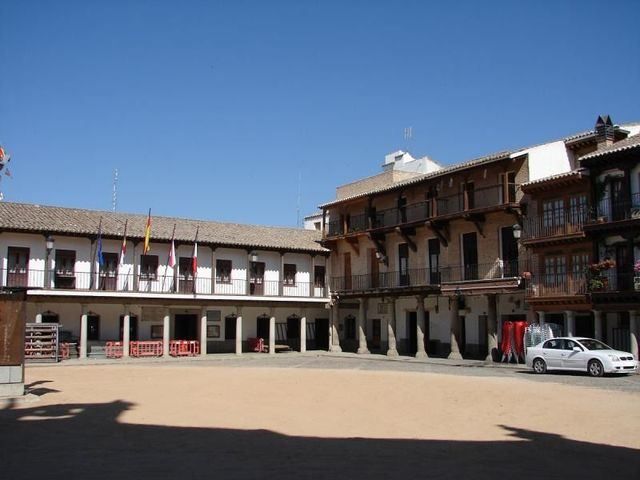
{"points": [[123, 248], [147, 235], [194, 264], [172, 250], [100, 257]]}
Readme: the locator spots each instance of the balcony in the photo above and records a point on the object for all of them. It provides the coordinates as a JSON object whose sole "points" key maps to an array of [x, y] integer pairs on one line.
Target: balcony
{"points": [[613, 280], [556, 226], [556, 285], [416, 277], [614, 209], [489, 271], [159, 284], [471, 200]]}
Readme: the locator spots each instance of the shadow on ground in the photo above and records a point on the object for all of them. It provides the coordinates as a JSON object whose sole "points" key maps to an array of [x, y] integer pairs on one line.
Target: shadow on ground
{"points": [[87, 441]]}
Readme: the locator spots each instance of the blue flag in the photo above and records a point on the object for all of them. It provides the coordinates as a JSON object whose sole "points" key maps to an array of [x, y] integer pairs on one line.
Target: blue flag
{"points": [[100, 257]]}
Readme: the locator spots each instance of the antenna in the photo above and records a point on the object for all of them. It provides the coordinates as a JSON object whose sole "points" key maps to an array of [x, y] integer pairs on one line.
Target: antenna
{"points": [[298, 201], [114, 197], [408, 135]]}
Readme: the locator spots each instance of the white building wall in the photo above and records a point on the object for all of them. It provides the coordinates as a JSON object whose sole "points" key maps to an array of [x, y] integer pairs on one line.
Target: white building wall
{"points": [[546, 160]]}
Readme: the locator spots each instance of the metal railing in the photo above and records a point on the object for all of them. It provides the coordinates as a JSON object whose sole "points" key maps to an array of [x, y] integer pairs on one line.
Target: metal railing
{"points": [[556, 285], [610, 209], [357, 223], [486, 271], [554, 224], [483, 197], [128, 282], [385, 280], [614, 280]]}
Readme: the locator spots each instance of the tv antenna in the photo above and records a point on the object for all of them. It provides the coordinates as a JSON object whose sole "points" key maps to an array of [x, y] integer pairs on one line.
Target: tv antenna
{"points": [[408, 135], [114, 195], [298, 201]]}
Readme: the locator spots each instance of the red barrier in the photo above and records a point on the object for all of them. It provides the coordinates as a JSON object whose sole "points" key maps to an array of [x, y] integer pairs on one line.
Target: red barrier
{"points": [[184, 348], [146, 349], [65, 351], [256, 345], [113, 349]]}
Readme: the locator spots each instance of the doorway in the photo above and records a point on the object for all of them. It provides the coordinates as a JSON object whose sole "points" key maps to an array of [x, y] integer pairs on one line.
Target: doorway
{"points": [[470, 255], [376, 333], [93, 327], [186, 327], [322, 333], [262, 327], [462, 345], [412, 335]]}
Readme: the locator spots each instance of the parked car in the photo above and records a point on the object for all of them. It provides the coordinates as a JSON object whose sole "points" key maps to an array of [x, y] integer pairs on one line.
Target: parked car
{"points": [[581, 354]]}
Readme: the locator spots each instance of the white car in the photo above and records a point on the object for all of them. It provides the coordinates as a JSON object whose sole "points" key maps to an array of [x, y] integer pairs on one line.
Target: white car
{"points": [[581, 354]]}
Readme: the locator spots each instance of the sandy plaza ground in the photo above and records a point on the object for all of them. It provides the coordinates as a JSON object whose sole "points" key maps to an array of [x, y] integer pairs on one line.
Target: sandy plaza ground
{"points": [[234, 420]]}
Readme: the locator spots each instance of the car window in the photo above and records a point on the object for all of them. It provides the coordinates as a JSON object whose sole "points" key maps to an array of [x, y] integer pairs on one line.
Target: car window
{"points": [[569, 344], [554, 343]]}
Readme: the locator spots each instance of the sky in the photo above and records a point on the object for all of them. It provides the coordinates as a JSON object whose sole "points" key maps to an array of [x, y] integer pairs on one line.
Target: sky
{"points": [[254, 111]]}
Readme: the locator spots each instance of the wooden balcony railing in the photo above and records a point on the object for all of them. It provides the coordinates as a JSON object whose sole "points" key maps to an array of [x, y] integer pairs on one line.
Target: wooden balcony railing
{"points": [[556, 285]]}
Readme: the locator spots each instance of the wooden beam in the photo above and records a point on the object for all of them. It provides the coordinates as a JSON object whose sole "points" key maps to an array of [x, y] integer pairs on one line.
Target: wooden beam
{"points": [[405, 236], [441, 231], [354, 244], [478, 221]]}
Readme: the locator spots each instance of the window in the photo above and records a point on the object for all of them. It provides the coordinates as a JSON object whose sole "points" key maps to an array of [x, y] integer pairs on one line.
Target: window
{"points": [[223, 271], [319, 276], [108, 271], [552, 213], [577, 209], [18, 267], [555, 344], [508, 190], [290, 274], [434, 261], [555, 269], [148, 267], [469, 196], [317, 225], [579, 263], [65, 263]]}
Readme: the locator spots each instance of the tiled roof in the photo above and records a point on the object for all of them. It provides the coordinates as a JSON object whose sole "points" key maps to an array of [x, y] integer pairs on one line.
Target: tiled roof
{"points": [[426, 176], [560, 176], [626, 144], [74, 221]]}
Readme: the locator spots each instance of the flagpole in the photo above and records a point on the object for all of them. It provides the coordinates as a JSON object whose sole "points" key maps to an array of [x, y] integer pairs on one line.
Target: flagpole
{"points": [[194, 261], [166, 267], [123, 251], [95, 253]]}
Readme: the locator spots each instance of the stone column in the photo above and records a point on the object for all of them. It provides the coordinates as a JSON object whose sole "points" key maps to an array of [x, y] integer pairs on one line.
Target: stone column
{"points": [[597, 324], [492, 326], [362, 336], [420, 327], [303, 333], [392, 349], [126, 333], [334, 335], [83, 332], [569, 323], [38, 317], [272, 335], [166, 331], [203, 331], [454, 325], [633, 333], [239, 333]]}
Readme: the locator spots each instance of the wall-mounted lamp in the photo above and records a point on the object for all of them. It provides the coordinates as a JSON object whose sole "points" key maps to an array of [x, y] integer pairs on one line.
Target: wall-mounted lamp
{"points": [[381, 257], [50, 242], [254, 256], [517, 231]]}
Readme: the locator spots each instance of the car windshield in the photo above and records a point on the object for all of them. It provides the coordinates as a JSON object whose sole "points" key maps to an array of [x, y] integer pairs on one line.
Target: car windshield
{"points": [[591, 344]]}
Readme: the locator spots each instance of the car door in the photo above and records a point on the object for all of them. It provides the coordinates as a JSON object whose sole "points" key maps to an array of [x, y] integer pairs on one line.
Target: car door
{"points": [[574, 360], [552, 351]]}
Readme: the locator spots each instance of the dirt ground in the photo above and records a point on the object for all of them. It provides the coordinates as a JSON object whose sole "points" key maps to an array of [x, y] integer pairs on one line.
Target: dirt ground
{"points": [[145, 421]]}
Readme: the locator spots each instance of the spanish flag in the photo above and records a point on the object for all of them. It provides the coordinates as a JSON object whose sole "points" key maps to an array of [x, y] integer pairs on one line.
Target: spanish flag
{"points": [[147, 235]]}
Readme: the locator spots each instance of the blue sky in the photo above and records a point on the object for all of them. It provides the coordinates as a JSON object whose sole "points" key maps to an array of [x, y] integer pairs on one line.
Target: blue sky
{"points": [[214, 110]]}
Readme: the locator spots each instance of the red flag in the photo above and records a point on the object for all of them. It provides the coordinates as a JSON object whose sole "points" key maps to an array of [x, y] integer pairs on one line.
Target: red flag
{"points": [[123, 248], [172, 250], [147, 235]]}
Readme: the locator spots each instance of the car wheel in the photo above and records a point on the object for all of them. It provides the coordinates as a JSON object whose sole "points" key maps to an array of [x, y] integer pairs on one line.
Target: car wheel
{"points": [[539, 365], [595, 368]]}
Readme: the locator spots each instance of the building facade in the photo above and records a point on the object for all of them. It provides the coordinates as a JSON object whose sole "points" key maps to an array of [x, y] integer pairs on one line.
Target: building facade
{"points": [[430, 263], [245, 281]]}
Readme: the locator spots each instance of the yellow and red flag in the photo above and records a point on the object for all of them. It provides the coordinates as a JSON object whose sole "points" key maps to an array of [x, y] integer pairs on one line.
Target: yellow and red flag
{"points": [[147, 235]]}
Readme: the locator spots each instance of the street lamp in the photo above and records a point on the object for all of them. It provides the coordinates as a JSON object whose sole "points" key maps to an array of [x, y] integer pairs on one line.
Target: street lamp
{"points": [[254, 256], [49, 242], [517, 231]]}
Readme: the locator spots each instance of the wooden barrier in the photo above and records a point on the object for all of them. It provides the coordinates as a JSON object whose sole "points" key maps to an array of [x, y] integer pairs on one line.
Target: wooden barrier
{"points": [[184, 348]]}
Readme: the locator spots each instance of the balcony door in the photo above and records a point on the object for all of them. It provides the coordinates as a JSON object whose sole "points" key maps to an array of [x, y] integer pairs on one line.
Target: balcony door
{"points": [[185, 275], [108, 272], [623, 268], [469, 195], [346, 258], [470, 255], [403, 264], [256, 278], [65, 269], [434, 261], [18, 267], [617, 199], [509, 247], [374, 268]]}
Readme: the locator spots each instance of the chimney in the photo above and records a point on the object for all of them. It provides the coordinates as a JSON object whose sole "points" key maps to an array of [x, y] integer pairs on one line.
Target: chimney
{"points": [[604, 131]]}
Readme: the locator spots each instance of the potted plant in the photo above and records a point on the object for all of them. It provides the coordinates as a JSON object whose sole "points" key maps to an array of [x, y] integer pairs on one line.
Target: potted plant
{"points": [[598, 281]]}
